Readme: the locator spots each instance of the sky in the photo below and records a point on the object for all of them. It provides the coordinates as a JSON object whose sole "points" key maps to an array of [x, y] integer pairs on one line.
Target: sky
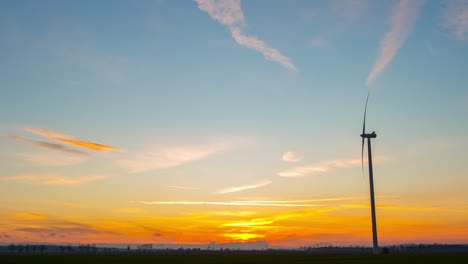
{"points": [[232, 121]]}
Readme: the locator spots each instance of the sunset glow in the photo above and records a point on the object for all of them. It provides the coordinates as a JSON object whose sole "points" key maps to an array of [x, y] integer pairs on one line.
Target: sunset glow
{"points": [[220, 121]]}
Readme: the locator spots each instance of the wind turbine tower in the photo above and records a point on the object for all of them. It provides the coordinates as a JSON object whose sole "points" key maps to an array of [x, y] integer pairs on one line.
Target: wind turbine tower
{"points": [[371, 177]]}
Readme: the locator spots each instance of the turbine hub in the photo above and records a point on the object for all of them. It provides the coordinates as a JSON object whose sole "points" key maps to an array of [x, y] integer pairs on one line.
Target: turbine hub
{"points": [[372, 135]]}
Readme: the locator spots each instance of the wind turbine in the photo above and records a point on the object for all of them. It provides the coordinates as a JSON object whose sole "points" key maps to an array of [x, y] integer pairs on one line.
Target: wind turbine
{"points": [[371, 176]]}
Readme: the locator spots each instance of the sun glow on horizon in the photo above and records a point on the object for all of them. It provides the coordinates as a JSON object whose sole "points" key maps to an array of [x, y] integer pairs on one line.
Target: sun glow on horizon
{"points": [[238, 123]]}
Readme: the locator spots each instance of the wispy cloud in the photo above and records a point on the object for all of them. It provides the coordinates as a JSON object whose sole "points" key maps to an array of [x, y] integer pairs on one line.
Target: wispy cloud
{"points": [[319, 202], [291, 156], [228, 203], [244, 187], [53, 159], [68, 140], [62, 139], [52, 179], [391, 207], [130, 211], [48, 145], [325, 166], [65, 204], [229, 13], [4, 235], [456, 18], [162, 157], [182, 187], [403, 16]]}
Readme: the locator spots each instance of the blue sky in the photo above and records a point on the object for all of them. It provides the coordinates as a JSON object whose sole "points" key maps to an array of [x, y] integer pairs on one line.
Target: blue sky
{"points": [[210, 95]]}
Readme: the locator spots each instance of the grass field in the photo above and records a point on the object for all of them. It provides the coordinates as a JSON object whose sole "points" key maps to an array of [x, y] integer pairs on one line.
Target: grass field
{"points": [[238, 257]]}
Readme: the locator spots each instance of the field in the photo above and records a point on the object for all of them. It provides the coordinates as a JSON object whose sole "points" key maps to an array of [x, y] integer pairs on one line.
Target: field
{"points": [[238, 257]]}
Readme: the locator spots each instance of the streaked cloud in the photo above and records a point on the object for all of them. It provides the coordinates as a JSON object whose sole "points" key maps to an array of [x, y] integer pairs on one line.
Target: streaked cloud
{"points": [[68, 140], [228, 203], [291, 156], [318, 168], [52, 179], [455, 18], [232, 213], [244, 187], [51, 228], [326, 166], [229, 13], [402, 18], [182, 187], [66, 204], [132, 210], [48, 145], [392, 207], [168, 156], [26, 217], [318, 202], [4, 235], [243, 236], [53, 159]]}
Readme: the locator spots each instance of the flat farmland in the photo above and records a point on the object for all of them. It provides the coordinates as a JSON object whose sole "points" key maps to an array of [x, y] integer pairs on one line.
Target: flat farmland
{"points": [[238, 257]]}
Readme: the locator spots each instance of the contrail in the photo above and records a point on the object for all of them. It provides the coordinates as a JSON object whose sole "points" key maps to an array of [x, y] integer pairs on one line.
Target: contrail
{"points": [[401, 21]]}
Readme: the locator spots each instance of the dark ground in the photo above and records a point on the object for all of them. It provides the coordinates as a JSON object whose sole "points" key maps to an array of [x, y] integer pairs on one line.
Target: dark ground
{"points": [[238, 257]]}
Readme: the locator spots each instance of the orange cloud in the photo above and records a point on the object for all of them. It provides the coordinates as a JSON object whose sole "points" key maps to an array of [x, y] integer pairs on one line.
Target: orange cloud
{"points": [[52, 179], [326, 166], [47, 145], [68, 140], [244, 187]]}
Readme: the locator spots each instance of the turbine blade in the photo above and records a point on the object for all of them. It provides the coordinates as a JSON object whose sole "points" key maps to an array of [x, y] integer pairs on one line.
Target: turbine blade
{"points": [[365, 112], [362, 159], [364, 132]]}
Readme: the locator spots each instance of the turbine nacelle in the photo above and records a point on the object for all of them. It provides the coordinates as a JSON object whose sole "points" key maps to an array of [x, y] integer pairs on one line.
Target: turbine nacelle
{"points": [[372, 135]]}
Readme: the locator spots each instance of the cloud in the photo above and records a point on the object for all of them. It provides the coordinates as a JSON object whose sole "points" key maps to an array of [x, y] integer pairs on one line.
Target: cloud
{"points": [[66, 204], [291, 156], [53, 159], [320, 202], [228, 203], [244, 187], [325, 166], [130, 211], [456, 18], [163, 157], [68, 140], [52, 179], [48, 145], [182, 187], [52, 231], [403, 16], [4, 235], [229, 13]]}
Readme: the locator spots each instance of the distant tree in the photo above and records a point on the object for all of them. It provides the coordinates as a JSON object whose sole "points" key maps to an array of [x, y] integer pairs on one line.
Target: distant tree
{"points": [[94, 248], [11, 247], [62, 249], [26, 248], [69, 249], [20, 248], [42, 248], [128, 248], [33, 248]]}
